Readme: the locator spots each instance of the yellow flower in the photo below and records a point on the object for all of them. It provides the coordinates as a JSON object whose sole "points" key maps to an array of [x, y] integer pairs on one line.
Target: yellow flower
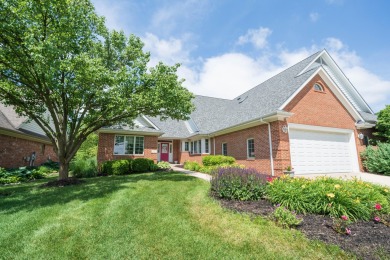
{"points": [[357, 201], [303, 186], [386, 190], [330, 195], [337, 186]]}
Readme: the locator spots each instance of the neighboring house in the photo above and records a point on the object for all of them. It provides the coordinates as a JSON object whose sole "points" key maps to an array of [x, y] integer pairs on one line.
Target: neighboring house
{"points": [[22, 142], [309, 116]]}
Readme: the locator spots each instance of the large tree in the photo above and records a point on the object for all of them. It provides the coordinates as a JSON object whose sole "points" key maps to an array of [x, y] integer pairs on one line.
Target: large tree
{"points": [[62, 68], [382, 128]]}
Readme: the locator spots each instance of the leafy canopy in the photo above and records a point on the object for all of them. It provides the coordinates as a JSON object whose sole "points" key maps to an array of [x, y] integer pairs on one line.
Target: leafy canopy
{"points": [[61, 67], [383, 124]]}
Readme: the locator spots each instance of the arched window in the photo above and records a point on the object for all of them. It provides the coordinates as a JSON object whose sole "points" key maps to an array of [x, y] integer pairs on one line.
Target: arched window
{"points": [[318, 87]]}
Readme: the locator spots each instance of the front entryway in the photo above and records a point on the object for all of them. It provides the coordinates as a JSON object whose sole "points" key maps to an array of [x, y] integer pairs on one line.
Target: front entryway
{"points": [[322, 150], [164, 152]]}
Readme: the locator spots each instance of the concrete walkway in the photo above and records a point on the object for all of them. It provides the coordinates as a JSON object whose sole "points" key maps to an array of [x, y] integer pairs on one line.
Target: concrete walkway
{"points": [[368, 177], [179, 168]]}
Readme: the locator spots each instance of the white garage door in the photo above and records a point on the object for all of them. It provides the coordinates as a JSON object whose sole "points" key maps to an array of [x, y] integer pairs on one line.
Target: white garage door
{"points": [[321, 151]]}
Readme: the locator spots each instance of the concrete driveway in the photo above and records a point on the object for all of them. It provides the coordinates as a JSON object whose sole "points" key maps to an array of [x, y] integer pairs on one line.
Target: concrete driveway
{"points": [[364, 176]]}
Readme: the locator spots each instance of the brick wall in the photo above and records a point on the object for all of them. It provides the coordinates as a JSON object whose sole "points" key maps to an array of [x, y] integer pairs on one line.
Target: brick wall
{"points": [[106, 148], [311, 107], [13, 150], [237, 147]]}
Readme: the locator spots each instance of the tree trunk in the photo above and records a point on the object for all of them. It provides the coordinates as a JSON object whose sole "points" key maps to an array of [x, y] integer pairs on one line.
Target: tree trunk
{"points": [[64, 171]]}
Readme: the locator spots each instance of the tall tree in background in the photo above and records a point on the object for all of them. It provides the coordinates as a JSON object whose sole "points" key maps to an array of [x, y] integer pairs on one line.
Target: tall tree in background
{"points": [[62, 68], [382, 128]]}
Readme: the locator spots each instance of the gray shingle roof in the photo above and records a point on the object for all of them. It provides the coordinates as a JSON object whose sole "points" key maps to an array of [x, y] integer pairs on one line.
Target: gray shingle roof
{"points": [[4, 123], [171, 128], [370, 118], [13, 118]]}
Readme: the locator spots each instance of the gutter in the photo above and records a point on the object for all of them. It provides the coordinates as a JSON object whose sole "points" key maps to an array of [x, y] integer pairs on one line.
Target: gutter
{"points": [[270, 146]]}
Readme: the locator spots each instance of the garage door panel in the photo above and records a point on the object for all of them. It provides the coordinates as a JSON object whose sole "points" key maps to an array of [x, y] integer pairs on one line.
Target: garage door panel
{"points": [[319, 152]]}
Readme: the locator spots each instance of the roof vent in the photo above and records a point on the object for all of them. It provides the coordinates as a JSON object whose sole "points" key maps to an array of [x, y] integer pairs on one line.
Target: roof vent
{"points": [[240, 101]]}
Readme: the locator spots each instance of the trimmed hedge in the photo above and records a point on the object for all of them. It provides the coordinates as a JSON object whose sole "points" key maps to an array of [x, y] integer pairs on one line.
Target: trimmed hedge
{"points": [[142, 165], [215, 160], [121, 167], [192, 166]]}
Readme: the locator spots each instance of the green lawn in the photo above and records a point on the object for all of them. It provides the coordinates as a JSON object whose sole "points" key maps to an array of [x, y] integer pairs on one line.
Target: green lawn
{"points": [[143, 216]]}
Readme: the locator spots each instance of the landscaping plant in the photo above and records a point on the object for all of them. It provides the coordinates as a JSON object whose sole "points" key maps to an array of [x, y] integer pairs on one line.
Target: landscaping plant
{"points": [[84, 168], [285, 218], [377, 159], [341, 225], [164, 165], [142, 165], [334, 197], [121, 167], [192, 166], [238, 184], [218, 160]]}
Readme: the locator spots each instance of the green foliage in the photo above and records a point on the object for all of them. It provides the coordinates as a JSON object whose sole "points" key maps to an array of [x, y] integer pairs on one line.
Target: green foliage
{"points": [[217, 160], [53, 166], [377, 159], [84, 168], [106, 167], [142, 165], [341, 225], [192, 166], [334, 197], [214, 169], [238, 184], [164, 165], [121, 167], [383, 125], [23, 174], [153, 167], [61, 67], [286, 218], [89, 148]]}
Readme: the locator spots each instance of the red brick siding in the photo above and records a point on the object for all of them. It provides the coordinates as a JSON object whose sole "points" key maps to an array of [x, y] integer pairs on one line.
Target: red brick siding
{"points": [[106, 148], [322, 109], [237, 147], [13, 150]]}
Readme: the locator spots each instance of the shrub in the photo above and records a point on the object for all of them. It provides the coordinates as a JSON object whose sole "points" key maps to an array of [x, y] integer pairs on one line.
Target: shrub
{"points": [[54, 166], [142, 165], [154, 167], [121, 167], [377, 159], [334, 197], [106, 167], [84, 168], [286, 218], [214, 160], [238, 184], [164, 165], [10, 179], [192, 166]]}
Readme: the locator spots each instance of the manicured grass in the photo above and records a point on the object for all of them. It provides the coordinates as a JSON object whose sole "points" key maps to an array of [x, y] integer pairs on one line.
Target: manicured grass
{"points": [[143, 216]]}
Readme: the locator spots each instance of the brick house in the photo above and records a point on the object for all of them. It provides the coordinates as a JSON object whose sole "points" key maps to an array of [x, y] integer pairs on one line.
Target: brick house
{"points": [[20, 139], [309, 117]]}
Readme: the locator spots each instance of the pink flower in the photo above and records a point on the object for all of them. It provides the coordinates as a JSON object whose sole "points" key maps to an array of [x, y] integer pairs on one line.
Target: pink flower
{"points": [[347, 231], [377, 219], [343, 217], [378, 206]]}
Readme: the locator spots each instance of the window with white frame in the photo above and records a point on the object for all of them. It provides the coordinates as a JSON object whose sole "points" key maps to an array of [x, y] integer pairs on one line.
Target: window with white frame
{"points": [[186, 146], [250, 146], [224, 149], [127, 144], [206, 146], [199, 146], [195, 144]]}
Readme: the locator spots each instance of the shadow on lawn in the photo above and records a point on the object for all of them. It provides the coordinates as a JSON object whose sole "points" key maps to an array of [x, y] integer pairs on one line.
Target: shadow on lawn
{"points": [[28, 197]]}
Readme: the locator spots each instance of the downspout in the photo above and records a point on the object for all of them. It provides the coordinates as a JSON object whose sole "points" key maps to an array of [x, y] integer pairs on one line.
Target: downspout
{"points": [[270, 147], [214, 144]]}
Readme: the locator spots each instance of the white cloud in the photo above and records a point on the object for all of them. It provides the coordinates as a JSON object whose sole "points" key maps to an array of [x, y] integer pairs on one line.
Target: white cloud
{"points": [[314, 17], [258, 37], [115, 14]]}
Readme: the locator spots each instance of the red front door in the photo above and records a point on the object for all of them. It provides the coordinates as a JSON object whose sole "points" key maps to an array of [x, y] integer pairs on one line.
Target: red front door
{"points": [[164, 154]]}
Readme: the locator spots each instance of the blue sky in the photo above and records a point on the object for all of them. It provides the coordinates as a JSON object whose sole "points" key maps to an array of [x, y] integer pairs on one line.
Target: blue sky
{"points": [[228, 47]]}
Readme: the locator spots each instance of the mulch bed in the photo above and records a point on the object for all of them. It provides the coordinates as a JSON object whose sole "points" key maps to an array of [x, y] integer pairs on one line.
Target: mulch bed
{"points": [[368, 240], [62, 183]]}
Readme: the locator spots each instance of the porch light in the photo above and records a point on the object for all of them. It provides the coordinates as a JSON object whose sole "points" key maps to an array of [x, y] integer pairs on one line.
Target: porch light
{"points": [[361, 136], [285, 129]]}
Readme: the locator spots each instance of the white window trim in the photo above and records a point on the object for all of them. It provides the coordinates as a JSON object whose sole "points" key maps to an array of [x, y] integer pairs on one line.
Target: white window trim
{"points": [[222, 148], [247, 148], [204, 142], [133, 154]]}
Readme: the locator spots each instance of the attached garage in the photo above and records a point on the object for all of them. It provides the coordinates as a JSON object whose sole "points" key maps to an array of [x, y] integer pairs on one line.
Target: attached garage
{"points": [[322, 149]]}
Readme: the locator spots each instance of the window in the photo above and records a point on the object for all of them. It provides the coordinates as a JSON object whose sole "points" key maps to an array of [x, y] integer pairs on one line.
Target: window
{"points": [[195, 147], [170, 148], [200, 146], [250, 146], [186, 146], [126, 144], [318, 87], [206, 145], [224, 149]]}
